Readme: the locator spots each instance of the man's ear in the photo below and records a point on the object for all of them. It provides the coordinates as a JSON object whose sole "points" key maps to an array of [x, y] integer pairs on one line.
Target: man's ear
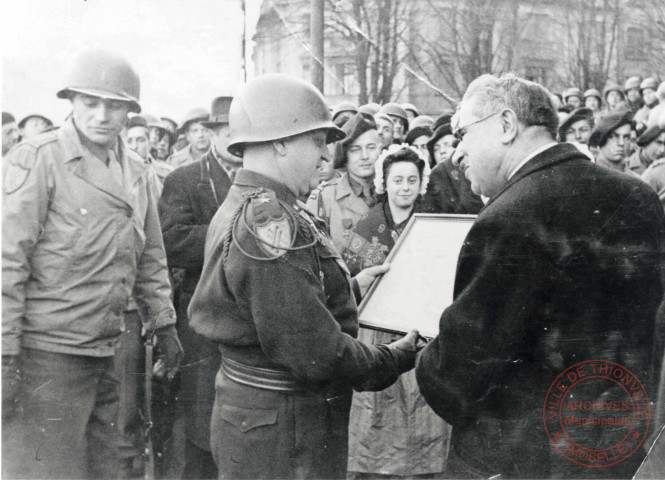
{"points": [[510, 125]]}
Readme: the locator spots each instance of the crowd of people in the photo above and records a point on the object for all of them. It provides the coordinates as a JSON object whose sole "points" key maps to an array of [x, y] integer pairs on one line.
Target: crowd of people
{"points": [[239, 241]]}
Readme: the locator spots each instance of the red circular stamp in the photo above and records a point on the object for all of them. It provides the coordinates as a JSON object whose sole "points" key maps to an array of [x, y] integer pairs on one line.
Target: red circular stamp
{"points": [[596, 413]]}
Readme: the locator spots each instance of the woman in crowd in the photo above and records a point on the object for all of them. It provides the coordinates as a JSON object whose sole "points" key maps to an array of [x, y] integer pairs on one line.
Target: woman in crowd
{"points": [[393, 432]]}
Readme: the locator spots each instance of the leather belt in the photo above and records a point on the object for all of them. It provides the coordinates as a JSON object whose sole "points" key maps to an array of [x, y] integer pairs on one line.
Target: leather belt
{"points": [[259, 377]]}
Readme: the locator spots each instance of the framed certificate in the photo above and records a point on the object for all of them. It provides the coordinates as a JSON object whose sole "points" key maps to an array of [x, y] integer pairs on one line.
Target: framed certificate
{"points": [[419, 285]]}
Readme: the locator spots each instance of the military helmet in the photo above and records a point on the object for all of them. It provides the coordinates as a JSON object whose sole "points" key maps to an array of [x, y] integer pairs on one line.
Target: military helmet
{"points": [[592, 92], [650, 82], [572, 92], [612, 87], [276, 106], [412, 107], [395, 110], [103, 74], [632, 82], [344, 107]]}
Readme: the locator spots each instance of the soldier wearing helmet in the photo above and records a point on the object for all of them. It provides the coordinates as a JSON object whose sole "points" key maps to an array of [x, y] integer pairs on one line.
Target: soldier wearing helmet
{"points": [[593, 100], [400, 120], [633, 93], [276, 296], [81, 209], [573, 96], [648, 88]]}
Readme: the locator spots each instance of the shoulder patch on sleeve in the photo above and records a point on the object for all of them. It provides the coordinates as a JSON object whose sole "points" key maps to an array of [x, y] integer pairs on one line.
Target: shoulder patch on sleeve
{"points": [[17, 169], [267, 221]]}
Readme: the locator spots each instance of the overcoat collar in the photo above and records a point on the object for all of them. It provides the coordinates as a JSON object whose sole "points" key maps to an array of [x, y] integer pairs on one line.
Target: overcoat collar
{"points": [[561, 152]]}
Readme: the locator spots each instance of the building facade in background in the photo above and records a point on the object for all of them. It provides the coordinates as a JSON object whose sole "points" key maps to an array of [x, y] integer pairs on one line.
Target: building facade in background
{"points": [[422, 51]]}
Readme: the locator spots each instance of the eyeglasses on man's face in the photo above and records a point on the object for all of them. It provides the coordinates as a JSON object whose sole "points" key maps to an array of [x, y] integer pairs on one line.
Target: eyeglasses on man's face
{"points": [[459, 133]]}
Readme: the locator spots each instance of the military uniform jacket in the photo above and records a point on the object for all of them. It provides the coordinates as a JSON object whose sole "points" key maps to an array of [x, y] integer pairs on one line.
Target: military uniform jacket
{"points": [[337, 205], [76, 244], [561, 266], [292, 310]]}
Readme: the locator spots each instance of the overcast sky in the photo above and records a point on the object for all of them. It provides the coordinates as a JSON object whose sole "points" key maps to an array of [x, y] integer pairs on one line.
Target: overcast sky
{"points": [[186, 51]]}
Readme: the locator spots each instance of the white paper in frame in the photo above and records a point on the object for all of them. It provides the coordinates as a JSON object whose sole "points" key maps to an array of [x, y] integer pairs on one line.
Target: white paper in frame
{"points": [[419, 285]]}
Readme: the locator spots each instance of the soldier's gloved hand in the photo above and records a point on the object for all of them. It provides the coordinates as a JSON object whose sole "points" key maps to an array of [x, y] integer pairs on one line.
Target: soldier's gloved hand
{"points": [[169, 347], [367, 276], [405, 349], [11, 377]]}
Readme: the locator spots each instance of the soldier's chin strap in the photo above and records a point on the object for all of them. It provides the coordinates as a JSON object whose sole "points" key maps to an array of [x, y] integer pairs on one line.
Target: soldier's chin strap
{"points": [[240, 216]]}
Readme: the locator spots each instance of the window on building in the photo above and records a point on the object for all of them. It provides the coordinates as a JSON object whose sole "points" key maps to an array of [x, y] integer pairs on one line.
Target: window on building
{"points": [[635, 43]]}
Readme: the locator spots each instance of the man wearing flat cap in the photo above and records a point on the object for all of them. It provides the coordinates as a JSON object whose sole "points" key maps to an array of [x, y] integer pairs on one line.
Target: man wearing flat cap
{"points": [[612, 139], [81, 235], [198, 140], [343, 201], [192, 194]]}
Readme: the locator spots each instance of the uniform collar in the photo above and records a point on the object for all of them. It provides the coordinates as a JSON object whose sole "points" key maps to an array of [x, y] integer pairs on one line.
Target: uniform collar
{"points": [[343, 187], [91, 169], [250, 178]]}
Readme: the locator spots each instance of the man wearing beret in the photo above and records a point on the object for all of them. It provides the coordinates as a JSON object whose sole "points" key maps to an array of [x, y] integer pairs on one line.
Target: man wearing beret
{"points": [[650, 149], [612, 139], [192, 194], [576, 128], [343, 201]]}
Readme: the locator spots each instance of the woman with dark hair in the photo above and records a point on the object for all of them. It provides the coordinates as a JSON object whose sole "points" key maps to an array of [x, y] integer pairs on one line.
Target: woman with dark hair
{"points": [[392, 433], [400, 179]]}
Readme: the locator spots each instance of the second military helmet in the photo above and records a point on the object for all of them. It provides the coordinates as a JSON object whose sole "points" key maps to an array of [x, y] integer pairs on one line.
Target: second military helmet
{"points": [[103, 74], [275, 106]]}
